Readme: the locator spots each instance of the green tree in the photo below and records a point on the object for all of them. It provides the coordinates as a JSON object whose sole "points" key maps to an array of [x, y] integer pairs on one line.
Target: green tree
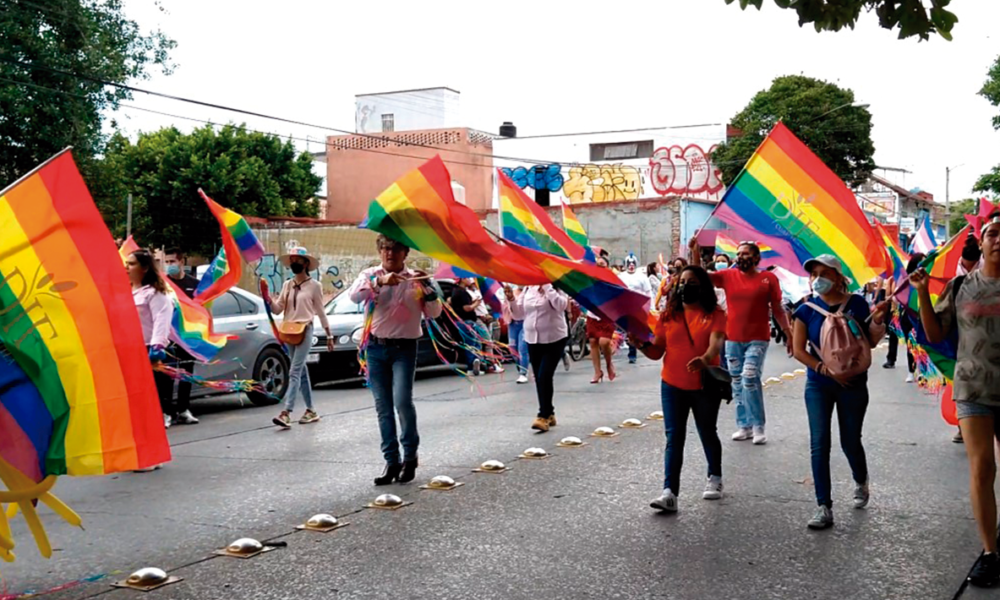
{"points": [[821, 114], [990, 182], [54, 56], [252, 173], [910, 16], [958, 211]]}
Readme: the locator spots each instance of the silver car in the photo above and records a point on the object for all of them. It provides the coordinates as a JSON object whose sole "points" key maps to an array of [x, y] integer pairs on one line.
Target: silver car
{"points": [[255, 354]]}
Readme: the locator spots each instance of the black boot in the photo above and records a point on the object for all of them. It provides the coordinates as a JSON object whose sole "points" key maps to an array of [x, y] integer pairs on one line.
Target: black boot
{"points": [[409, 471], [389, 474]]}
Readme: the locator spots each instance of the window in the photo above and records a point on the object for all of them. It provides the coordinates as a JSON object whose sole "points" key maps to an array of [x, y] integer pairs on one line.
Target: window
{"points": [[388, 123], [247, 306], [621, 151], [225, 305]]}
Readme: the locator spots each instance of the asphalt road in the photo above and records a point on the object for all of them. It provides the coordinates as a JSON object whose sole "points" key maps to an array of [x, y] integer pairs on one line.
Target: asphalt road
{"points": [[576, 525]]}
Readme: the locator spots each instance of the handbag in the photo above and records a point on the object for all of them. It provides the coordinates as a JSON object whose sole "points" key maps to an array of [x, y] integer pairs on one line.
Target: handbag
{"points": [[716, 382], [291, 333]]}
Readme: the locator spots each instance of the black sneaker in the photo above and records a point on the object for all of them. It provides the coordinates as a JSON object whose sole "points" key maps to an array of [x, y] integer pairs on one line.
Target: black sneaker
{"points": [[889, 365], [986, 572]]}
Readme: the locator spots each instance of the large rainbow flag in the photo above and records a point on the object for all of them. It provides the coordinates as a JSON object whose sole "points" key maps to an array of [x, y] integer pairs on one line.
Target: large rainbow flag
{"points": [[227, 268], [574, 229], [420, 211], [76, 386], [525, 223], [489, 288], [728, 246], [786, 194], [897, 257]]}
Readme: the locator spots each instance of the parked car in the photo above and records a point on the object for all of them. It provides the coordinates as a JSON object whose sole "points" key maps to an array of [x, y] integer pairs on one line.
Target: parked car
{"points": [[255, 354], [346, 320]]}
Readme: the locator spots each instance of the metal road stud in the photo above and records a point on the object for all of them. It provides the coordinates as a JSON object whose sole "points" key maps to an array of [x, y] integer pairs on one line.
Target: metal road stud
{"points": [[388, 501], [442, 482], [570, 442], [773, 381], [492, 465], [632, 424], [244, 546], [787, 376], [535, 453], [147, 577], [322, 521], [799, 371], [604, 432], [656, 415]]}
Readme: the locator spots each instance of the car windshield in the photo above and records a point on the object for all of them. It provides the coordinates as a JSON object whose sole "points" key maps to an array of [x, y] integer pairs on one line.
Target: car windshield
{"points": [[342, 305]]}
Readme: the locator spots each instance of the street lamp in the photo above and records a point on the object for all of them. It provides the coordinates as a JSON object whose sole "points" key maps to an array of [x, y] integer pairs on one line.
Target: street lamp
{"points": [[850, 104], [947, 199]]}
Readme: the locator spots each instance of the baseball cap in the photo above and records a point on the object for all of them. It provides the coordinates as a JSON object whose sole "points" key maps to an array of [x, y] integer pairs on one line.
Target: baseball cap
{"points": [[827, 260]]}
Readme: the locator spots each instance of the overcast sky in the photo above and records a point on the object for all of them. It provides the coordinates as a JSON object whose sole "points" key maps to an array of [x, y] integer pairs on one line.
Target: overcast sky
{"points": [[553, 67]]}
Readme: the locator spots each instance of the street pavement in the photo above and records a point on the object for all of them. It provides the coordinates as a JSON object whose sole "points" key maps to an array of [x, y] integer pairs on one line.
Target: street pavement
{"points": [[576, 525]]}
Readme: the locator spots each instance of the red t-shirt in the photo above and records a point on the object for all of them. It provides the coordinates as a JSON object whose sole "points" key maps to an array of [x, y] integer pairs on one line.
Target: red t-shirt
{"points": [[748, 298], [679, 349]]}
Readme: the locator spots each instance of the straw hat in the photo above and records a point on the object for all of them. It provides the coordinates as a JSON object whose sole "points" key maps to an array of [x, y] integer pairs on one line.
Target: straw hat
{"points": [[299, 251]]}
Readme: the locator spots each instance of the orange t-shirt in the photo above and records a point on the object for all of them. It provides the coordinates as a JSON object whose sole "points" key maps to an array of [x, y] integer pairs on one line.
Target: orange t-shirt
{"points": [[679, 350]]}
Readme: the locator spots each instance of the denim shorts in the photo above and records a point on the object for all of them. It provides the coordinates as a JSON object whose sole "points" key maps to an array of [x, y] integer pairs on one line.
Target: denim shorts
{"points": [[975, 409]]}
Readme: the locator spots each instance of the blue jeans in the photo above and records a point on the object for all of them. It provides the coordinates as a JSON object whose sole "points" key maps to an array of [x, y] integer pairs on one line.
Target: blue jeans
{"points": [[851, 404], [298, 376], [391, 370], [633, 353], [515, 339], [470, 339], [676, 405], [746, 363]]}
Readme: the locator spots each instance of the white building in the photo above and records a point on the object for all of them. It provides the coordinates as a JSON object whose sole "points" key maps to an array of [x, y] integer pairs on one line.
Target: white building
{"points": [[407, 110]]}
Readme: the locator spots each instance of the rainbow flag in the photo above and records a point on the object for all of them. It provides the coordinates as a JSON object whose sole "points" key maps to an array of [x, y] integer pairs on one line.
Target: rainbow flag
{"points": [[574, 229], [525, 223], [237, 240], [596, 289], [192, 326], [786, 194], [726, 245], [128, 247], [420, 212], [897, 258], [76, 387]]}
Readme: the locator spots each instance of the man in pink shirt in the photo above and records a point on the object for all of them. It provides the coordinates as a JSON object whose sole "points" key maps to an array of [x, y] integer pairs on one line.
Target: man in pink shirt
{"points": [[545, 331], [402, 297]]}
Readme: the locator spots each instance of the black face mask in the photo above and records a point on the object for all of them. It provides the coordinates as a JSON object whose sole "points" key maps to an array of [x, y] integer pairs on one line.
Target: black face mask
{"points": [[671, 271], [298, 268], [744, 264], [690, 293]]}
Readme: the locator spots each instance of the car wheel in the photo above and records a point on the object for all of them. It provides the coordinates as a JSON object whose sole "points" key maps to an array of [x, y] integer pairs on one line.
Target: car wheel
{"points": [[271, 371]]}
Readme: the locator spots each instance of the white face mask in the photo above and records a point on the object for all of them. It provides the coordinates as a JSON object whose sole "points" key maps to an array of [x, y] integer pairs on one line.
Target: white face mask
{"points": [[721, 265]]}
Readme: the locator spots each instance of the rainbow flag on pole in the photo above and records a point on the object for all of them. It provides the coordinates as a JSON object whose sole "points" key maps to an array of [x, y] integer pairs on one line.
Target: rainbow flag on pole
{"points": [[786, 194], [897, 257], [237, 240], [923, 240], [574, 229], [525, 223], [726, 245]]}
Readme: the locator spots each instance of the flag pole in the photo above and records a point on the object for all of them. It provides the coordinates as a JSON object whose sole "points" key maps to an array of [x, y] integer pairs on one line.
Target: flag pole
{"points": [[35, 170]]}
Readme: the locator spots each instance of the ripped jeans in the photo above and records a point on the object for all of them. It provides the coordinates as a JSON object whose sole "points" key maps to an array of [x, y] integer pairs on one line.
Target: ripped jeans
{"points": [[746, 364]]}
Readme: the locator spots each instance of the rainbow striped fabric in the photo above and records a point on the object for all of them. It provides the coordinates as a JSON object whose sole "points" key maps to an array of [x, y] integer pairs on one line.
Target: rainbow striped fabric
{"points": [[489, 288], [923, 241], [128, 247], [76, 387], [237, 240], [420, 212], [786, 194], [728, 246], [525, 223], [574, 229], [897, 257]]}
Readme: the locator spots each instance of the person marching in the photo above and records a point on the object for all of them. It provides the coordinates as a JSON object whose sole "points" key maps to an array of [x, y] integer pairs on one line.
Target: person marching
{"points": [[970, 307], [402, 297], [637, 282], [173, 262], [300, 301], [465, 307], [546, 332], [752, 296], [156, 311], [840, 382], [514, 317], [600, 334], [689, 336]]}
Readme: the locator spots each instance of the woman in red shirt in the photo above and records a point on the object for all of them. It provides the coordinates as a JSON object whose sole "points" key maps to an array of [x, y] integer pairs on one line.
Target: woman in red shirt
{"points": [[689, 337]]}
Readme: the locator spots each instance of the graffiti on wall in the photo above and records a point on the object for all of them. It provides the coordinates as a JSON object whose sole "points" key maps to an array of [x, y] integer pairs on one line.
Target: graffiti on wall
{"points": [[547, 177], [602, 183], [681, 171]]}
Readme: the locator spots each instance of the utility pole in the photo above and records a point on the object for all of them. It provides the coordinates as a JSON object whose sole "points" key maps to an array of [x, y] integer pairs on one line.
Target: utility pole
{"points": [[128, 223], [947, 199]]}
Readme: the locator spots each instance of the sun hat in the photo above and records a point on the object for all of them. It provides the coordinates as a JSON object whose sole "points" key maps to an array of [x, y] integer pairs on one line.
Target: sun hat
{"points": [[299, 251]]}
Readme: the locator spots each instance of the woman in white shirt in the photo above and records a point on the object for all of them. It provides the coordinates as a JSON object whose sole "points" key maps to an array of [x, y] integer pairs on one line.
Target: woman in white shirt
{"points": [[546, 331], [156, 311]]}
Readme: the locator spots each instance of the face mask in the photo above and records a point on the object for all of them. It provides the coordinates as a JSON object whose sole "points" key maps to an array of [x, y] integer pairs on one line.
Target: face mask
{"points": [[822, 285], [721, 265], [690, 293], [671, 271], [744, 264], [173, 270], [298, 268]]}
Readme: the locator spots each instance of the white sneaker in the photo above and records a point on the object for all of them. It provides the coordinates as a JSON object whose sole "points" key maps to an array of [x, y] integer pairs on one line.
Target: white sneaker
{"points": [[861, 495], [909, 378], [167, 421], [742, 434], [498, 369], [476, 367], [713, 489], [759, 437], [186, 418], [522, 379], [667, 502]]}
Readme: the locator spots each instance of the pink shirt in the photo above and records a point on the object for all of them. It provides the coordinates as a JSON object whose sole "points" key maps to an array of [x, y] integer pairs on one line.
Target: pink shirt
{"points": [[156, 311], [511, 311], [300, 302], [544, 314], [398, 308]]}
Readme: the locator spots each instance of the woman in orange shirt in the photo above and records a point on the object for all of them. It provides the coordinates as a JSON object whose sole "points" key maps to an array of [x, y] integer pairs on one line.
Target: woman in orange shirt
{"points": [[689, 337]]}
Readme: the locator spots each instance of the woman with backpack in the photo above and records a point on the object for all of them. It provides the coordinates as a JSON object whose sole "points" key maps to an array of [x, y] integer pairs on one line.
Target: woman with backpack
{"points": [[840, 330]]}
